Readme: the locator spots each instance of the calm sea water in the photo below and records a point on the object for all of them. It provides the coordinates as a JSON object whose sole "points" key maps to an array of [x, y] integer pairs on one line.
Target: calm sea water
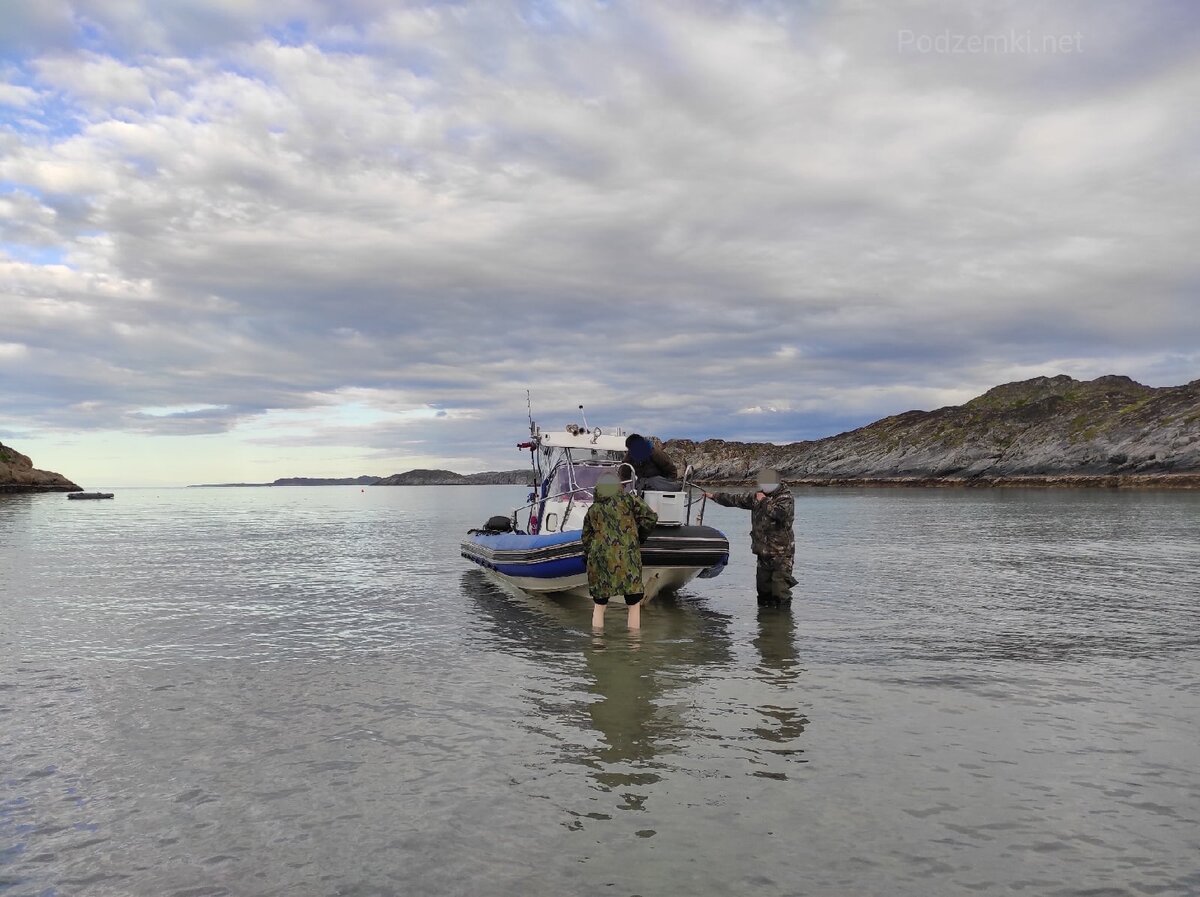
{"points": [[306, 691]]}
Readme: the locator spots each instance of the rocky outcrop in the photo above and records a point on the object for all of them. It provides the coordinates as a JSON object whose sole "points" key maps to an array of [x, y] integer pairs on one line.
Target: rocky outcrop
{"points": [[422, 477], [409, 478], [17, 474], [501, 478], [1047, 427], [450, 478], [326, 481]]}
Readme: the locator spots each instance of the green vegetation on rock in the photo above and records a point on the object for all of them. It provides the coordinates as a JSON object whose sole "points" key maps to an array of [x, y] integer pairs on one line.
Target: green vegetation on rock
{"points": [[1047, 426]]}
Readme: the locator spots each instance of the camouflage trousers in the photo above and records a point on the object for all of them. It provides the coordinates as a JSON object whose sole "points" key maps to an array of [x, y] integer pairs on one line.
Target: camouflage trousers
{"points": [[774, 581]]}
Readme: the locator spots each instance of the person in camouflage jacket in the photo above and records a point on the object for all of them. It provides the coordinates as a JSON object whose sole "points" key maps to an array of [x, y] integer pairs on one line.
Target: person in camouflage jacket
{"points": [[772, 512], [613, 530]]}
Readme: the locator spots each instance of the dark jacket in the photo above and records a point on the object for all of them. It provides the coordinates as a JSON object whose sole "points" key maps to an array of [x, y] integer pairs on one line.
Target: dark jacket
{"points": [[659, 464], [771, 519]]}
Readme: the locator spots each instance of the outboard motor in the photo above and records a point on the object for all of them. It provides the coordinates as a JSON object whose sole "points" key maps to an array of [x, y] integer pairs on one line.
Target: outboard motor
{"points": [[498, 524]]}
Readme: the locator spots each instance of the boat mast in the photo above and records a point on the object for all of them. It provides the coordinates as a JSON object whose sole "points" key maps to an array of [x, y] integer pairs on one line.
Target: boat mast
{"points": [[535, 465]]}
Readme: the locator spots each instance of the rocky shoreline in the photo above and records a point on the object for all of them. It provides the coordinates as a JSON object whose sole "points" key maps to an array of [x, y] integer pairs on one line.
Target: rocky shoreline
{"points": [[421, 477], [18, 475], [1168, 481], [418, 477], [1048, 431], [26, 488]]}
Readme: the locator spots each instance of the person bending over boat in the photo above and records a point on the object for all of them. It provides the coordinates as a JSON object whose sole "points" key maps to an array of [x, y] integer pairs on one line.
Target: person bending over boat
{"points": [[613, 530], [772, 512], [652, 466]]}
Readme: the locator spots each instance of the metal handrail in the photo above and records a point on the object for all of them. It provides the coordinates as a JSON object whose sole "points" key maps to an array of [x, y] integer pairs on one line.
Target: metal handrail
{"points": [[688, 507], [571, 492]]}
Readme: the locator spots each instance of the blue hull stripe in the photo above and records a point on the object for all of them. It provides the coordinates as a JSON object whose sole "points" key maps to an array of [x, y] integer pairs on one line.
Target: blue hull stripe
{"points": [[559, 569], [560, 555]]}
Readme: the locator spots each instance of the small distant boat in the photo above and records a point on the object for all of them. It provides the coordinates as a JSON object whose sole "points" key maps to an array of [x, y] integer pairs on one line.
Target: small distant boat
{"points": [[89, 495]]}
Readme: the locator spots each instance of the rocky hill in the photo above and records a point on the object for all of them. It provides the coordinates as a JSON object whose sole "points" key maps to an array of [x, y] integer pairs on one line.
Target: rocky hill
{"points": [[1044, 427], [17, 474], [326, 481], [450, 478], [408, 478], [501, 478], [295, 481]]}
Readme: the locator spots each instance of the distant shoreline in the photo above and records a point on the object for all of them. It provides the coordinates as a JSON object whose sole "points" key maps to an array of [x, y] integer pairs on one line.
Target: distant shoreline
{"points": [[1156, 481], [1167, 481], [291, 485]]}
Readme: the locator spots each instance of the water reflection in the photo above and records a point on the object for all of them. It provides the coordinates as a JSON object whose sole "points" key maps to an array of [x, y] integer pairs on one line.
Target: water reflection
{"points": [[632, 705], [636, 679], [542, 629], [782, 722]]}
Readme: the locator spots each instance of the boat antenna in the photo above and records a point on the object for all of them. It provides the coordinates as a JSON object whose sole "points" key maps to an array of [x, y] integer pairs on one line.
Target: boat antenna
{"points": [[534, 465], [585, 425]]}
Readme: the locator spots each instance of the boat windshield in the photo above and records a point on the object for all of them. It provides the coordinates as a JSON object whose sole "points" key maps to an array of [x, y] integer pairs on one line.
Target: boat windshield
{"points": [[586, 476]]}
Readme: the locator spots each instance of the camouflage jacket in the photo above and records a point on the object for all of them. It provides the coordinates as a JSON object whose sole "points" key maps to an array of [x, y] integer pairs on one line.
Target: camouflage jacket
{"points": [[612, 534], [771, 519]]}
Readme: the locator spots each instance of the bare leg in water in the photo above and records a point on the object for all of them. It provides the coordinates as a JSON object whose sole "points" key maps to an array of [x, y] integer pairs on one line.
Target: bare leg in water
{"points": [[635, 610]]}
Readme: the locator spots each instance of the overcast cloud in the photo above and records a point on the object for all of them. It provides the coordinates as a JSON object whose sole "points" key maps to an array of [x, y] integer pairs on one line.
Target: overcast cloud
{"points": [[342, 238]]}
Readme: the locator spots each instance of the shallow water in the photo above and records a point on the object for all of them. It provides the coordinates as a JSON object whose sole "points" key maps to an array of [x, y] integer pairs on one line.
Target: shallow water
{"points": [[300, 691]]}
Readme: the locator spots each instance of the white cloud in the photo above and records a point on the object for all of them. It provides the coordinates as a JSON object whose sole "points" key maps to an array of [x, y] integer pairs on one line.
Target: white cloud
{"points": [[13, 351], [672, 213], [100, 80], [17, 96]]}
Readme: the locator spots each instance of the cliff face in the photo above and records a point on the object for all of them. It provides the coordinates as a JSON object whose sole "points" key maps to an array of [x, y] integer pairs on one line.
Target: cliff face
{"points": [[1047, 426], [17, 474]]}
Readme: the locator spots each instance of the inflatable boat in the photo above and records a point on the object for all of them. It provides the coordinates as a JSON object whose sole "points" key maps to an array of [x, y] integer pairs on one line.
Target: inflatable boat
{"points": [[537, 547]]}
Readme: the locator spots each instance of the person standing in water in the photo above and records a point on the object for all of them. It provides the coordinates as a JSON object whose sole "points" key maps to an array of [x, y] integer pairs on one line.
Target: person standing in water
{"points": [[772, 512], [613, 530]]}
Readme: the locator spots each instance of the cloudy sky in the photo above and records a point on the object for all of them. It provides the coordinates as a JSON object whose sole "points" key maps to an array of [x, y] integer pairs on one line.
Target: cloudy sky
{"points": [[242, 239]]}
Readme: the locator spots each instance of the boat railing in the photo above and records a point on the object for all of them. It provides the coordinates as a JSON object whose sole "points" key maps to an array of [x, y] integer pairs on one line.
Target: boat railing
{"points": [[629, 484], [687, 490], [558, 495]]}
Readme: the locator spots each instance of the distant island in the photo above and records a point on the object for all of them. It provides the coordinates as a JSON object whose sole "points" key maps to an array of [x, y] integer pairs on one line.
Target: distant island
{"points": [[419, 477], [450, 478], [296, 481]]}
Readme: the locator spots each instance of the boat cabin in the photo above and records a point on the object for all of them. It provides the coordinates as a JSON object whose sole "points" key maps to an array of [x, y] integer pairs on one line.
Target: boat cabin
{"points": [[568, 464]]}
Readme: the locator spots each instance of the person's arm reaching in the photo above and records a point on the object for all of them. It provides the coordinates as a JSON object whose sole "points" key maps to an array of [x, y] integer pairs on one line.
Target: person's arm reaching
{"points": [[733, 499]]}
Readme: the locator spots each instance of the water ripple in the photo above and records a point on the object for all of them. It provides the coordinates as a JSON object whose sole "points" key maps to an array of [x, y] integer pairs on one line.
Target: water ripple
{"points": [[305, 691]]}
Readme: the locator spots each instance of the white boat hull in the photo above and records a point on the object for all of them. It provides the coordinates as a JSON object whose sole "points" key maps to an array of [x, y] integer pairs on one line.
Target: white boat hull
{"points": [[656, 581]]}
